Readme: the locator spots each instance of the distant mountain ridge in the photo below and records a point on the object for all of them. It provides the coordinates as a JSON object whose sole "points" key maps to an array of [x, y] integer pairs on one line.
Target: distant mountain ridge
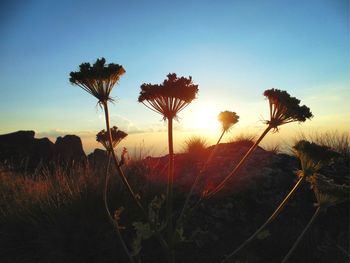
{"points": [[22, 150]]}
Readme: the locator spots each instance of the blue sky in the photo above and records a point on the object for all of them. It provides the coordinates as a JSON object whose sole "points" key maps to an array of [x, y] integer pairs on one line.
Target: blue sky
{"points": [[234, 50]]}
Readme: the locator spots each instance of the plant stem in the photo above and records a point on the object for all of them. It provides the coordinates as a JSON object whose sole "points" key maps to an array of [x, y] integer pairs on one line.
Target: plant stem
{"points": [[222, 134], [285, 200], [169, 203], [112, 221], [267, 222], [196, 180], [296, 243], [121, 174], [220, 186], [127, 185]]}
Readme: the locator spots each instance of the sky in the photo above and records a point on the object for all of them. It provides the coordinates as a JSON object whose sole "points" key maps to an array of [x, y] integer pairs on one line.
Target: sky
{"points": [[234, 50]]}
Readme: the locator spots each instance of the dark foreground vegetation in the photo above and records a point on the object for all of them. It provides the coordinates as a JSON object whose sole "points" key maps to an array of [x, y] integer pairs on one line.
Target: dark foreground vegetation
{"points": [[59, 216], [232, 202]]}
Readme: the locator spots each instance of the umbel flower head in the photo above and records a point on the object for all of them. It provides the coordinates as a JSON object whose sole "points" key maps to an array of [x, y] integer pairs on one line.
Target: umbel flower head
{"points": [[285, 109], [170, 97], [313, 156], [98, 79], [227, 119], [327, 192], [117, 137]]}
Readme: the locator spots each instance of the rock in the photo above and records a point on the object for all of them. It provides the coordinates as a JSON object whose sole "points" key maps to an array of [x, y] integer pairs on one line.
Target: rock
{"points": [[21, 151], [97, 159], [224, 160], [69, 149]]}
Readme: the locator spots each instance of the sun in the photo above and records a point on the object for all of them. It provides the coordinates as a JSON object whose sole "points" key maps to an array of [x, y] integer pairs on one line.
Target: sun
{"points": [[204, 117]]}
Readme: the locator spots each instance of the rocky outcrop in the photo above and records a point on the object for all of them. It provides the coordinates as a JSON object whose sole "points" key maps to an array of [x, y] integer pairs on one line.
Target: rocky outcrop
{"points": [[97, 159], [69, 149], [259, 166], [21, 150]]}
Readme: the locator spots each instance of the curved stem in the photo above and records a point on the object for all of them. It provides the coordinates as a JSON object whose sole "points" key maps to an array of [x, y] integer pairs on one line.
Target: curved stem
{"points": [[221, 185], [112, 221], [267, 222], [169, 203], [286, 200], [196, 180], [120, 172], [127, 185], [296, 243]]}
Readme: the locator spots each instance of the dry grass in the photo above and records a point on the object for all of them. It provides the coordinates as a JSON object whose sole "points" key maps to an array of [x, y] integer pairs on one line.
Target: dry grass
{"points": [[339, 142], [243, 138], [59, 214], [195, 145], [273, 148], [48, 190]]}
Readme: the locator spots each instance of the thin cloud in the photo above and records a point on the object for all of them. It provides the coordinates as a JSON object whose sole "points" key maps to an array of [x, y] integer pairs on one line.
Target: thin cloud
{"points": [[54, 133]]}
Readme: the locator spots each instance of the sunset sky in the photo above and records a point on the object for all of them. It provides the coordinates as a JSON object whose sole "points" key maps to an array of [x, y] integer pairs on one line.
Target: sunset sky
{"points": [[233, 50]]}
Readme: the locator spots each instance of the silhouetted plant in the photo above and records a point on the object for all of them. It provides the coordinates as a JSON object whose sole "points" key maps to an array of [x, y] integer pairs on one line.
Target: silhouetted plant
{"points": [[168, 99], [195, 146], [283, 109], [327, 194], [273, 148], [102, 137], [98, 79], [312, 158], [117, 136], [227, 119], [245, 138]]}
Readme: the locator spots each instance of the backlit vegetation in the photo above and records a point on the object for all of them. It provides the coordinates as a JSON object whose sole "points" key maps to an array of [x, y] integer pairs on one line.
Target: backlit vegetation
{"points": [[134, 219]]}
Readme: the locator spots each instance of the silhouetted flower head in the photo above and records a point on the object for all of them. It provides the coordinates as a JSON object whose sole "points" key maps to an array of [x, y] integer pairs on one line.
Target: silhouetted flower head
{"points": [[117, 136], [170, 97], [313, 156], [285, 109], [98, 79], [228, 119], [327, 192]]}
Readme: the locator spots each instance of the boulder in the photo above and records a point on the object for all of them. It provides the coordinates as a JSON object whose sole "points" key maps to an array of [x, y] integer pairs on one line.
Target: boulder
{"points": [[69, 149], [97, 159], [21, 150]]}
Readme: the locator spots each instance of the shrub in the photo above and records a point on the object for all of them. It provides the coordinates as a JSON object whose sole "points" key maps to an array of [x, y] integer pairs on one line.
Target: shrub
{"points": [[243, 139], [195, 146]]}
